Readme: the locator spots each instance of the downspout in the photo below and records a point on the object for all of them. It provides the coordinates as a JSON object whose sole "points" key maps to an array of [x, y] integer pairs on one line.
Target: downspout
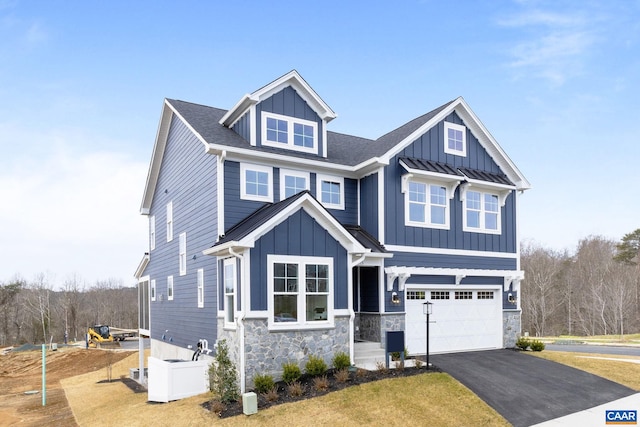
{"points": [[352, 313], [241, 317]]}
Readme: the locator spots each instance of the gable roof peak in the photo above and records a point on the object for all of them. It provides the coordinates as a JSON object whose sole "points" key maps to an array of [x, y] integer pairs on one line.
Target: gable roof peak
{"points": [[293, 79]]}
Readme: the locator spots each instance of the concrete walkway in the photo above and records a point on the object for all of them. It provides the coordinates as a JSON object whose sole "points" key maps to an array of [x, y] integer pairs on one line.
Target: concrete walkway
{"points": [[529, 390]]}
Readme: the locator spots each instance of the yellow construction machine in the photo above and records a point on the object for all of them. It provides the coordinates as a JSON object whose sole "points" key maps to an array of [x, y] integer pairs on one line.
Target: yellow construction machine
{"points": [[100, 336]]}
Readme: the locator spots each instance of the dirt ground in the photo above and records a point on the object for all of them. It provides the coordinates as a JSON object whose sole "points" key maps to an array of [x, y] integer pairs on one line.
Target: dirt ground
{"points": [[21, 372]]}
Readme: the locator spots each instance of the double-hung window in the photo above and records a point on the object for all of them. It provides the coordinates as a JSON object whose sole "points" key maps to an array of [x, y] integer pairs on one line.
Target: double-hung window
{"points": [[289, 132], [481, 212], [182, 255], [169, 221], [229, 271], [153, 289], [256, 182], [170, 288], [455, 139], [292, 182], [200, 288], [427, 205], [330, 191], [300, 291]]}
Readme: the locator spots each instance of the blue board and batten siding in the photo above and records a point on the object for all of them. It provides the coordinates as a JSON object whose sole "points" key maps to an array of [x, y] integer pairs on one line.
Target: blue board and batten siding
{"points": [[188, 180], [243, 126], [431, 146], [237, 209], [301, 235], [369, 209]]}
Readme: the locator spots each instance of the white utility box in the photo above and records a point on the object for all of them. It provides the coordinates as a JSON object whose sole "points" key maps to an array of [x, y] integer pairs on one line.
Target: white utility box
{"points": [[176, 379]]}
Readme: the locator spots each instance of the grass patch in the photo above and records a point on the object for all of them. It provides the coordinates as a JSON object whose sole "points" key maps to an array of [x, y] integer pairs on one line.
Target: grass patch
{"points": [[628, 338], [434, 399], [624, 373]]}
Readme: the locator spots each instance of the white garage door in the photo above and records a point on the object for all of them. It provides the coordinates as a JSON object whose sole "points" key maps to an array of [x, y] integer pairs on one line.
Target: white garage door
{"points": [[462, 320]]}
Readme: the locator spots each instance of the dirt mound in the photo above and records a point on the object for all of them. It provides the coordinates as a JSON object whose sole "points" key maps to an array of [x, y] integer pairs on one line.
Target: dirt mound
{"points": [[21, 372]]}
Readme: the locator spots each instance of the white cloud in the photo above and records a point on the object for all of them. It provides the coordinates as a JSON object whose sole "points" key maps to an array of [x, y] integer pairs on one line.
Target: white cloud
{"points": [[67, 212]]}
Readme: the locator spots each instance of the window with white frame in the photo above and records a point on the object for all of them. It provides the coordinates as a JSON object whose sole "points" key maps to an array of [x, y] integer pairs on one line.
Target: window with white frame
{"points": [[300, 291], [170, 288], [426, 204], [481, 212], [153, 289], [289, 132], [170, 221], [200, 288], [256, 182], [182, 254], [152, 232], [330, 191], [455, 139], [292, 182], [229, 268]]}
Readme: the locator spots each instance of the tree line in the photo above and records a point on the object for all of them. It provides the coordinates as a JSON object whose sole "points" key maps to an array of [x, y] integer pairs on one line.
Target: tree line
{"points": [[594, 291], [33, 312]]}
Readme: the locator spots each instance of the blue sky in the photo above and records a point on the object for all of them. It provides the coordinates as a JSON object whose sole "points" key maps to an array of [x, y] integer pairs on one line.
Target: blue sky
{"points": [[82, 84]]}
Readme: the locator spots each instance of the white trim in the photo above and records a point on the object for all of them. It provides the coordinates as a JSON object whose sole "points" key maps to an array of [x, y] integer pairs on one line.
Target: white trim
{"points": [[459, 128], [291, 122], [320, 178], [295, 173], [405, 273], [253, 131], [182, 253], [142, 266], [170, 221], [170, 288], [244, 167], [441, 251], [301, 294], [381, 206], [152, 232], [220, 194], [200, 287]]}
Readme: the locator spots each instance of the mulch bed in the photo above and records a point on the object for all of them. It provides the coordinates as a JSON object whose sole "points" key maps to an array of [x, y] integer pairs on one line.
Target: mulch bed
{"points": [[361, 376]]}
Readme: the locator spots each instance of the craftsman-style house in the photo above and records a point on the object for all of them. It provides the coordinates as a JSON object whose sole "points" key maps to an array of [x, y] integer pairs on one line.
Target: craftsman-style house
{"points": [[288, 240]]}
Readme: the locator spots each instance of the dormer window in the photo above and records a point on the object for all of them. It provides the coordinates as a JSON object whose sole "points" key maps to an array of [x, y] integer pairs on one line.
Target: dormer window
{"points": [[455, 139], [289, 132]]}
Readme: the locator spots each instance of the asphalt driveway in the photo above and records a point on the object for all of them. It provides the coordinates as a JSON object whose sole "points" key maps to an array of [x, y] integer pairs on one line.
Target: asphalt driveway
{"points": [[528, 390]]}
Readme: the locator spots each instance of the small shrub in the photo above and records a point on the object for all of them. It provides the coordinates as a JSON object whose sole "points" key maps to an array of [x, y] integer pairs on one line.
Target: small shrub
{"points": [[396, 354], [342, 376], [217, 407], [315, 366], [418, 362], [537, 345], [291, 372], [272, 394], [381, 367], [295, 389], [522, 343], [341, 360], [361, 373], [321, 383], [223, 377], [399, 365], [263, 383]]}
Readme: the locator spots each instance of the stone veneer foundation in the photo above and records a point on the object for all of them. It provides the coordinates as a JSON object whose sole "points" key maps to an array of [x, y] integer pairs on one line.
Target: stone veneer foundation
{"points": [[511, 327]]}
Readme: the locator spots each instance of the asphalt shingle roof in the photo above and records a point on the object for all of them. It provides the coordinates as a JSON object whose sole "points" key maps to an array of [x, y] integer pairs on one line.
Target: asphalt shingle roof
{"points": [[342, 149]]}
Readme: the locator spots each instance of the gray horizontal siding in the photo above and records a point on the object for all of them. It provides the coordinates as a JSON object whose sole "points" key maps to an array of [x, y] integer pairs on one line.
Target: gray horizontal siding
{"points": [[187, 178]]}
